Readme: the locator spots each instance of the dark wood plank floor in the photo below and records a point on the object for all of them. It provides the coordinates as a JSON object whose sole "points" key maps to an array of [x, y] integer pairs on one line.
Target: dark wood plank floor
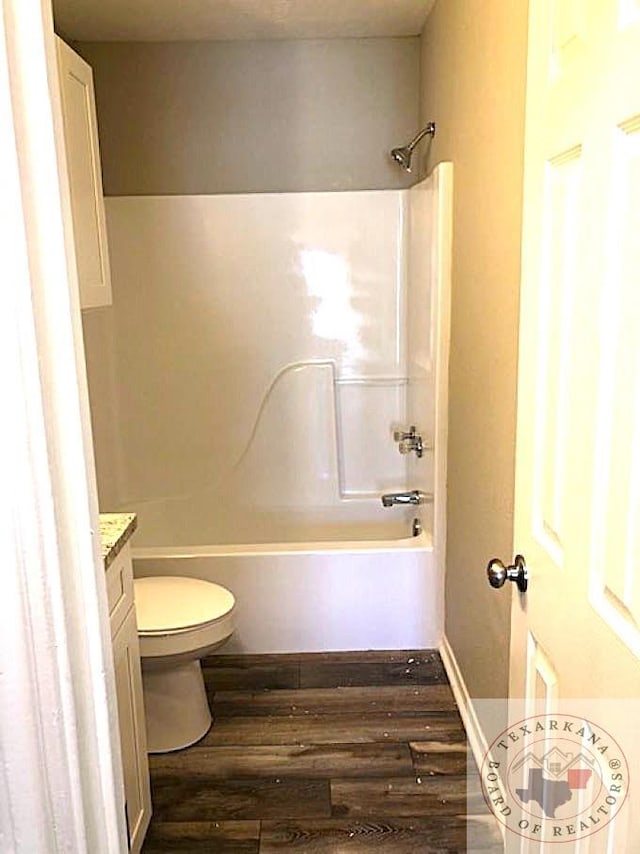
{"points": [[326, 754]]}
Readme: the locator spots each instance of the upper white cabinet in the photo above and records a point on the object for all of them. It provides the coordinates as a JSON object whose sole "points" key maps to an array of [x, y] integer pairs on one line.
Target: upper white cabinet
{"points": [[85, 179]]}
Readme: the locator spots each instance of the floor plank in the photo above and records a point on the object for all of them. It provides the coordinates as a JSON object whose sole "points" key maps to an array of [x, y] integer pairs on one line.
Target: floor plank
{"points": [[240, 673], [212, 837], [324, 670], [403, 797], [177, 798], [389, 835], [338, 729], [408, 669], [436, 757], [341, 700], [312, 761], [340, 657], [379, 656]]}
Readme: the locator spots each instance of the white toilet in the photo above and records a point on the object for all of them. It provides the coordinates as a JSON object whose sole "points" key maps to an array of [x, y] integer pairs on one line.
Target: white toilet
{"points": [[180, 620]]}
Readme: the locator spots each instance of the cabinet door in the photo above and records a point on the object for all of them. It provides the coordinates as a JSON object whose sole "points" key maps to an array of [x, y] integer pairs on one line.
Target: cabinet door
{"points": [[133, 741], [85, 179]]}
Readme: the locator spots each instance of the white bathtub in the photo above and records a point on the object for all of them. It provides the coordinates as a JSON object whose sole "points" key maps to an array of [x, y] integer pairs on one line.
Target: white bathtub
{"points": [[269, 433], [320, 596]]}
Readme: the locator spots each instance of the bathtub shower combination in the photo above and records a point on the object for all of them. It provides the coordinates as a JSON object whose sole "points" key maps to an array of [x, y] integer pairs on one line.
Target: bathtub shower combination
{"points": [[253, 388]]}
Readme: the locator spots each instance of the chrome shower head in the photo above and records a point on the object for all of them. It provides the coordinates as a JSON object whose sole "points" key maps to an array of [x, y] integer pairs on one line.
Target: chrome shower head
{"points": [[402, 155]]}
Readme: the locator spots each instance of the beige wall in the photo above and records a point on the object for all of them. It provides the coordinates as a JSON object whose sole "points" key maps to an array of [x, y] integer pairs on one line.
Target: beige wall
{"points": [[233, 117], [473, 82]]}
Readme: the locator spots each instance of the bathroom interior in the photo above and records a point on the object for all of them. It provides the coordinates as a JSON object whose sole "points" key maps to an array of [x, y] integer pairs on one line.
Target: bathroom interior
{"points": [[292, 376]]}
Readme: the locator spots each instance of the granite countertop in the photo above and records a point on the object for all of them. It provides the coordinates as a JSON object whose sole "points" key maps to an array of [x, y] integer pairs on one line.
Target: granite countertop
{"points": [[115, 531]]}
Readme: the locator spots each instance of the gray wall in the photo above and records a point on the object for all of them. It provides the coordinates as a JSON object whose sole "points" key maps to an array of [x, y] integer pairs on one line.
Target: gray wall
{"points": [[234, 117], [473, 85]]}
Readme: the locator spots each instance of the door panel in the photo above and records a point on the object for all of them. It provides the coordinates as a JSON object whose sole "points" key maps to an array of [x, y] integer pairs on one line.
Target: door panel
{"points": [[613, 566], [542, 679], [559, 252]]}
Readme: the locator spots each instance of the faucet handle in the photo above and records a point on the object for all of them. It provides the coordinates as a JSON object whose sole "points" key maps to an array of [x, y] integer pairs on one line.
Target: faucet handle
{"points": [[402, 436]]}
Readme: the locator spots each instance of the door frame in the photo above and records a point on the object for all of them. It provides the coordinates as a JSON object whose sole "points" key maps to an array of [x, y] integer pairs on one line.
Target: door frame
{"points": [[62, 783]]}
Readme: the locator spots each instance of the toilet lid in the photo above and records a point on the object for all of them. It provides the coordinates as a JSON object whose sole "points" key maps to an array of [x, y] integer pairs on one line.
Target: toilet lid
{"points": [[171, 603]]}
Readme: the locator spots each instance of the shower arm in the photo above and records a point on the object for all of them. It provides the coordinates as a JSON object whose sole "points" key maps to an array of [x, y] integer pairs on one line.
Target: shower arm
{"points": [[429, 129]]}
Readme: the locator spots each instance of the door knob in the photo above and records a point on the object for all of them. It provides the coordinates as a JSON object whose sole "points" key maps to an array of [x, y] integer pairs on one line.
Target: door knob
{"points": [[498, 573]]}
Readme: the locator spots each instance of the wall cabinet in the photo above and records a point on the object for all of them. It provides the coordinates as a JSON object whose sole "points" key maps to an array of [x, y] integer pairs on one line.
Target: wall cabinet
{"points": [[85, 178], [126, 657]]}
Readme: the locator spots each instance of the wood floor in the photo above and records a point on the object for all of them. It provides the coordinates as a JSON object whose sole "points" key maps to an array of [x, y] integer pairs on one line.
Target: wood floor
{"points": [[330, 754]]}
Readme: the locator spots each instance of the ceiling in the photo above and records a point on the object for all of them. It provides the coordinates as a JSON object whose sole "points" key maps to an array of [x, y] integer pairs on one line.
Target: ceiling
{"points": [[204, 20]]}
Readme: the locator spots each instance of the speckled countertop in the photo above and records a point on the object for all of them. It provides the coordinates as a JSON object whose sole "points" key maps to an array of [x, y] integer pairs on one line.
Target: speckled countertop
{"points": [[115, 531]]}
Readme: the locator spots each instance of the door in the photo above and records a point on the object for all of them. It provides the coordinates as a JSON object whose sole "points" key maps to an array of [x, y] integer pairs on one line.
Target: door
{"points": [[577, 518], [576, 631]]}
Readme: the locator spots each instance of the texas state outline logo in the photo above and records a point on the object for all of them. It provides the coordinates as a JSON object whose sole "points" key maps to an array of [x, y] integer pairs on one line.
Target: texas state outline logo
{"points": [[555, 778]]}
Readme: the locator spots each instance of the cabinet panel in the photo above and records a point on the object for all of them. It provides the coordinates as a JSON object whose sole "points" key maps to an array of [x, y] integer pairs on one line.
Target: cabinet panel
{"points": [[120, 588], [133, 741], [85, 179]]}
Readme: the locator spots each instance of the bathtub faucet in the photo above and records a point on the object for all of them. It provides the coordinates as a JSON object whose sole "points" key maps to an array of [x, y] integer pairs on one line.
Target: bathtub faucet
{"points": [[413, 497]]}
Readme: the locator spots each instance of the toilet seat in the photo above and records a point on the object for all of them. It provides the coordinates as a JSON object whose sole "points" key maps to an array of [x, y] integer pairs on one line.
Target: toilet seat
{"points": [[172, 605]]}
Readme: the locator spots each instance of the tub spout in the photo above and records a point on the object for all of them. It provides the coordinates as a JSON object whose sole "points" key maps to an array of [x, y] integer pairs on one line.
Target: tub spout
{"points": [[415, 496]]}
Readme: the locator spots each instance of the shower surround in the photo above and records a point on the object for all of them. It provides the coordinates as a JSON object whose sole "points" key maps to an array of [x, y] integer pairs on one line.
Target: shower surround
{"points": [[245, 387]]}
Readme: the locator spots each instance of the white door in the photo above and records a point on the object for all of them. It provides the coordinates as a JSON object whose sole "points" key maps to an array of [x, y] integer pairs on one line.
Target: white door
{"points": [[577, 515], [576, 631]]}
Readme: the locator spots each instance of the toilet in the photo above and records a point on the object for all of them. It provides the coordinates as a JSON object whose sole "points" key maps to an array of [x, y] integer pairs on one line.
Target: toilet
{"points": [[180, 620]]}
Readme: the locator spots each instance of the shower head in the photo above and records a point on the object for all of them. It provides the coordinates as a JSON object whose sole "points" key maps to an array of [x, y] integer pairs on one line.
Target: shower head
{"points": [[402, 155]]}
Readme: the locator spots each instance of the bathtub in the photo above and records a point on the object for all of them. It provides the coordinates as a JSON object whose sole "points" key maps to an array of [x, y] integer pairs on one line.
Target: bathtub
{"points": [[255, 445], [318, 596]]}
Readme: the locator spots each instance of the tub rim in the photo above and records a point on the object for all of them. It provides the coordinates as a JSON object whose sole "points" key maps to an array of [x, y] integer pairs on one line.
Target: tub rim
{"points": [[423, 542]]}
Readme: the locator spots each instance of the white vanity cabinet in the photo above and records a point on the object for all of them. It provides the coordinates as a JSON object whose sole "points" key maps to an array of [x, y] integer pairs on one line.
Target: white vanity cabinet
{"points": [[85, 177], [126, 657]]}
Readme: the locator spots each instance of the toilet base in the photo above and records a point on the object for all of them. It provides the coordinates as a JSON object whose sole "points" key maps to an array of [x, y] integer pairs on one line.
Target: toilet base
{"points": [[176, 707]]}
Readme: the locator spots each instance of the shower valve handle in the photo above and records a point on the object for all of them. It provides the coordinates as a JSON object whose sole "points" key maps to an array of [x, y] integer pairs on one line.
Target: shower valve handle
{"points": [[401, 436], [410, 442]]}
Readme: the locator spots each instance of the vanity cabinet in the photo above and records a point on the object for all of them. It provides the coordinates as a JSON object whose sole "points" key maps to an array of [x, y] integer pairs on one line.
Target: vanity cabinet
{"points": [[85, 178], [126, 658]]}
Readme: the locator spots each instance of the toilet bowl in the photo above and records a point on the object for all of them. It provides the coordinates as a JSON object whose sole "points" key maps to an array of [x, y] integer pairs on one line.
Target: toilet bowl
{"points": [[180, 620]]}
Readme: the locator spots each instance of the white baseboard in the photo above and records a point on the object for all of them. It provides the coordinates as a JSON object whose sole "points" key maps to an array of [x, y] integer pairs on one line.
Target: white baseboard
{"points": [[475, 735]]}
